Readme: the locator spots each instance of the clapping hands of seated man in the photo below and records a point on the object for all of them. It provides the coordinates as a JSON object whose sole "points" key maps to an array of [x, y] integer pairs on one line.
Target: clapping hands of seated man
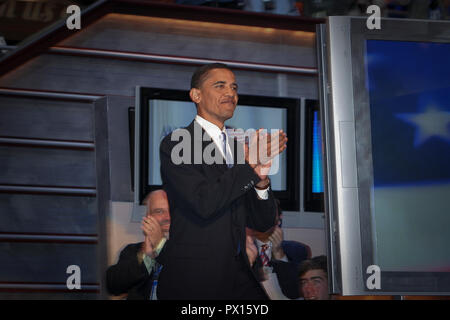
{"points": [[155, 227], [251, 249], [154, 234], [260, 151], [276, 238]]}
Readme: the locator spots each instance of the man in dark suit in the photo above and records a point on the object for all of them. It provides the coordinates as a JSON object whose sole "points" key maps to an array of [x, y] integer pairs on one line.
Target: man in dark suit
{"points": [[211, 201], [137, 269]]}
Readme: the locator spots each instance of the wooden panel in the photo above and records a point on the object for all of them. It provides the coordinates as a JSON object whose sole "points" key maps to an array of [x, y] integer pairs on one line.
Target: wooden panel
{"points": [[47, 167], [117, 77], [46, 262], [26, 213], [97, 76], [45, 119], [197, 39]]}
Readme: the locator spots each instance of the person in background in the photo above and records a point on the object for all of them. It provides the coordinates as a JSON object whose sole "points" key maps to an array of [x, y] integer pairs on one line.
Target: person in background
{"points": [[313, 279], [136, 272], [280, 259]]}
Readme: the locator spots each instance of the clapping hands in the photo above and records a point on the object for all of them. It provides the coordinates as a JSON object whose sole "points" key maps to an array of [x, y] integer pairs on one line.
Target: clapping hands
{"points": [[261, 150], [153, 235]]}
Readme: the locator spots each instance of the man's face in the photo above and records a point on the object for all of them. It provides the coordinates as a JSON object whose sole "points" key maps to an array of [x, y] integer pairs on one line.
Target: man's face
{"points": [[158, 208], [314, 285], [217, 96]]}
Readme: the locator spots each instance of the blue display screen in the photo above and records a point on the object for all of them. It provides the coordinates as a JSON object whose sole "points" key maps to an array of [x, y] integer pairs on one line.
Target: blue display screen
{"points": [[409, 92], [317, 171]]}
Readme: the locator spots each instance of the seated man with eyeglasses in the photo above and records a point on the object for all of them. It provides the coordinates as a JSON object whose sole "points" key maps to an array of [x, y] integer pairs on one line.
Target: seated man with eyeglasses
{"points": [[136, 272]]}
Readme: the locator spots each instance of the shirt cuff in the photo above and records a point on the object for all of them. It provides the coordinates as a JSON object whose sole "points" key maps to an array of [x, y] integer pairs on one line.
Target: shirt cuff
{"points": [[263, 194]]}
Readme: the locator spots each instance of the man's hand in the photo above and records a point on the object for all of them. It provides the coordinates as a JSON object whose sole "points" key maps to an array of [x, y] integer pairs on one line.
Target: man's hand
{"points": [[153, 235], [262, 148], [251, 249], [276, 238]]}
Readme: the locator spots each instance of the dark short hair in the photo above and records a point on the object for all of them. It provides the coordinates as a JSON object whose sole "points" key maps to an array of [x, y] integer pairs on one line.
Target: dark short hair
{"points": [[316, 263], [200, 74]]}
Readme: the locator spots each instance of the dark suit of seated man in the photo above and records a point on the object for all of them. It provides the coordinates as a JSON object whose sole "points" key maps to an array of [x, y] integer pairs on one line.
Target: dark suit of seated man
{"points": [[137, 269], [212, 203]]}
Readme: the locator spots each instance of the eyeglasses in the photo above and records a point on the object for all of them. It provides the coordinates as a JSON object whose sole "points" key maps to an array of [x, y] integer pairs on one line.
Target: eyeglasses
{"points": [[159, 211]]}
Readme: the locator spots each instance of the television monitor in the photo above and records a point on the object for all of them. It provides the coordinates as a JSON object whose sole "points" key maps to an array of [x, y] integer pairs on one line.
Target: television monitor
{"points": [[160, 111], [386, 127]]}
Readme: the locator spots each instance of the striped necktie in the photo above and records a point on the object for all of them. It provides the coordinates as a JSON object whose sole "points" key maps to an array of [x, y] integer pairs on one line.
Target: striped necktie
{"points": [[156, 271], [263, 255], [228, 157]]}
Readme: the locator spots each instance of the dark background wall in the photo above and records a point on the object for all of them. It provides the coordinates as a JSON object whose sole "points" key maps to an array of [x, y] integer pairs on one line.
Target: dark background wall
{"points": [[50, 194]]}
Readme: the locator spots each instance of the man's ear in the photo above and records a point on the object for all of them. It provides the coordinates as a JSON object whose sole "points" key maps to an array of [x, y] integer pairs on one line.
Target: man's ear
{"points": [[194, 93]]}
